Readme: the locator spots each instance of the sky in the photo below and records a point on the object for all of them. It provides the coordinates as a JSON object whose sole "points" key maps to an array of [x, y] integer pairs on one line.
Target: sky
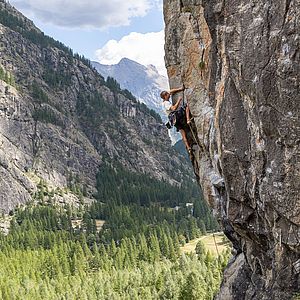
{"points": [[103, 30]]}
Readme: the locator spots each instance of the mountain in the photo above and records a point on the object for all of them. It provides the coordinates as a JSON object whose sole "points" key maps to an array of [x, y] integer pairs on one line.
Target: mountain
{"points": [[240, 61], [60, 121], [145, 83]]}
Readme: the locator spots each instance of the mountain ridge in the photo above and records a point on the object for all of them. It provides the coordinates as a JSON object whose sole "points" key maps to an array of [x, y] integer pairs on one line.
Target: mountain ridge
{"points": [[142, 81], [63, 120]]}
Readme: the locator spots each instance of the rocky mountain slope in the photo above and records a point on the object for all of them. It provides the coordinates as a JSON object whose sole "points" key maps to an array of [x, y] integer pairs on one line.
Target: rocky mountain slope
{"points": [[60, 120], [144, 82], [240, 63]]}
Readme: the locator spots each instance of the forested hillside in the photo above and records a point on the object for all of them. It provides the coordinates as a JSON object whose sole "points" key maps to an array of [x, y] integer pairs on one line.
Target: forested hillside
{"points": [[60, 120], [124, 245], [54, 251]]}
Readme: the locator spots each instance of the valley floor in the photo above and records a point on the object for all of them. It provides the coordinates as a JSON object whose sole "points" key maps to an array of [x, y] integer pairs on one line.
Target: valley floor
{"points": [[214, 242]]}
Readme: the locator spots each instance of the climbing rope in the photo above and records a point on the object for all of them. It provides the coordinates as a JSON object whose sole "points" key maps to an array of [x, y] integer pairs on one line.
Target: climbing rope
{"points": [[189, 124], [216, 245], [193, 134], [196, 141]]}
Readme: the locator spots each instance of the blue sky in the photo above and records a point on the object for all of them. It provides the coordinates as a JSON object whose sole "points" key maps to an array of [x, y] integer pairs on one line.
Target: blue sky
{"points": [[102, 30]]}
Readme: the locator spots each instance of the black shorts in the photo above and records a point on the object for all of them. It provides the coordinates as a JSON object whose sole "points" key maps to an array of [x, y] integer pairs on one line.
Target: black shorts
{"points": [[177, 118], [180, 124]]}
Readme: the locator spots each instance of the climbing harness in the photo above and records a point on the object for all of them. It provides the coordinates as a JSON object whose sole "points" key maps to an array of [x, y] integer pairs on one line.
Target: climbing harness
{"points": [[178, 115], [175, 116]]}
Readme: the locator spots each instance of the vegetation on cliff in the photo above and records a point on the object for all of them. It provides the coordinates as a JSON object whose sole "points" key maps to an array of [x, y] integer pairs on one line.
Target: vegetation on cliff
{"points": [[7, 77]]}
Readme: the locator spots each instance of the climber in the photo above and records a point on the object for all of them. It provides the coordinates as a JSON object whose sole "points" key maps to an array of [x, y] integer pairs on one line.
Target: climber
{"points": [[178, 115]]}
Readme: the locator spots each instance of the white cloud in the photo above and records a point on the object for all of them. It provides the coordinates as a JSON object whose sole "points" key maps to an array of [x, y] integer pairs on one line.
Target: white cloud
{"points": [[158, 4], [145, 48], [98, 14]]}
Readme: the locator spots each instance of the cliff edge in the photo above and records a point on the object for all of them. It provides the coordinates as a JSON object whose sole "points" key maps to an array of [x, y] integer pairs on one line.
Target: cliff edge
{"points": [[239, 62]]}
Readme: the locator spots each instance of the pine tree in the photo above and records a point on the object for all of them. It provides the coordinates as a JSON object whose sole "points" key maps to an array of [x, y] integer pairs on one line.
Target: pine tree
{"points": [[202, 227], [112, 249], [200, 250], [208, 259], [143, 248], [193, 288], [164, 245], [154, 248], [172, 252]]}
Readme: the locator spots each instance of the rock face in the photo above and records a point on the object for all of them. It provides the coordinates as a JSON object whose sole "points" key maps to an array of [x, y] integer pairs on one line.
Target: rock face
{"points": [[239, 61], [61, 121]]}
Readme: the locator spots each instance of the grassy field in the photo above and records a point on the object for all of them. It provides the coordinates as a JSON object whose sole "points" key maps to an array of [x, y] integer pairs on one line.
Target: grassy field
{"points": [[209, 243]]}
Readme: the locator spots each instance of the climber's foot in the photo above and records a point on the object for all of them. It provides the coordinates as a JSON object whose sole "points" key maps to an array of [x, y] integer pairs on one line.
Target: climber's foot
{"points": [[190, 151]]}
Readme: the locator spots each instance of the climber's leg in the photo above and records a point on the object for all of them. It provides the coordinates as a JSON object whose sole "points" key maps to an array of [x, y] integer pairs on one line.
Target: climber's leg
{"points": [[188, 114], [183, 134]]}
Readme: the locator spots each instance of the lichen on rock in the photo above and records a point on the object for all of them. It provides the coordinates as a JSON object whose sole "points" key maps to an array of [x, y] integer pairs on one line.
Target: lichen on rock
{"points": [[239, 62]]}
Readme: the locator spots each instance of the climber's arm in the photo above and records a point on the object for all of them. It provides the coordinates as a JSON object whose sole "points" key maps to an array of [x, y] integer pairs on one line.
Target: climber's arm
{"points": [[174, 91], [176, 105]]}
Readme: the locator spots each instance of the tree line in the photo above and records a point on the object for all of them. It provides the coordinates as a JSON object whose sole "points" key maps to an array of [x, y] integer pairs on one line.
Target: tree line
{"points": [[43, 256], [136, 254]]}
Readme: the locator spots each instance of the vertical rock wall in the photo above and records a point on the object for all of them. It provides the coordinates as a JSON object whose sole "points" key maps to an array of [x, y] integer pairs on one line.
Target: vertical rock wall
{"points": [[239, 62]]}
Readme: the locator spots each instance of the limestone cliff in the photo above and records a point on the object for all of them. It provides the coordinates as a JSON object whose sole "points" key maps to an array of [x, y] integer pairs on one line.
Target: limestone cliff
{"points": [[239, 62], [60, 120]]}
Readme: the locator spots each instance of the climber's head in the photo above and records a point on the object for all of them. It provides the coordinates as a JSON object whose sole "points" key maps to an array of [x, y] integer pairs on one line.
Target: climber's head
{"points": [[165, 95]]}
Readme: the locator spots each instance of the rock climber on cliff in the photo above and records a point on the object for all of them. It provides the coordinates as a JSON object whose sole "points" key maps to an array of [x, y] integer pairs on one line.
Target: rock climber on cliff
{"points": [[179, 115]]}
